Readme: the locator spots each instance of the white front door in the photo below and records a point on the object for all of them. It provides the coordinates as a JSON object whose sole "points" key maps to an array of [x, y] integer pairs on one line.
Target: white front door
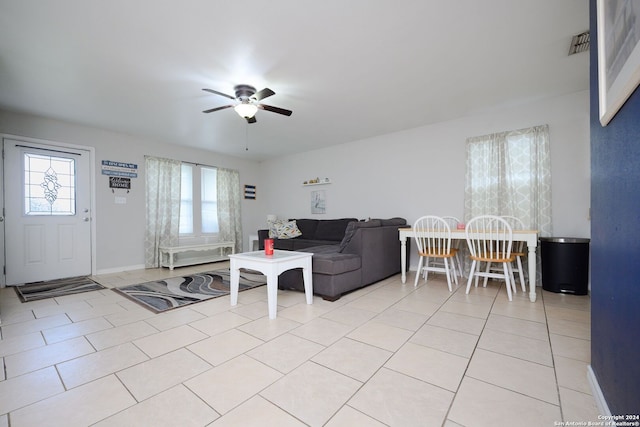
{"points": [[47, 193]]}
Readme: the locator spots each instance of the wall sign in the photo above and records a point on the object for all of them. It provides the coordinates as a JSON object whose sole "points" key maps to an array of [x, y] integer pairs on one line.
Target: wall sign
{"points": [[112, 168], [119, 182]]}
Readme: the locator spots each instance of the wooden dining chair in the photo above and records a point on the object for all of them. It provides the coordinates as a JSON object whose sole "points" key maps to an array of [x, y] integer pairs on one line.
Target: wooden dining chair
{"points": [[433, 239], [519, 249], [455, 243], [490, 239]]}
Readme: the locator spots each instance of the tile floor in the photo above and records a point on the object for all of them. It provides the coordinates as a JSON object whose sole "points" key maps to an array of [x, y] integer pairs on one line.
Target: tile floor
{"points": [[388, 354]]}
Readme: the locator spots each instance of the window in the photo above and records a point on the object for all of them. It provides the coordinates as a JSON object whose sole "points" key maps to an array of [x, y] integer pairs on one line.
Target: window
{"points": [[198, 201], [49, 185], [189, 204], [509, 173]]}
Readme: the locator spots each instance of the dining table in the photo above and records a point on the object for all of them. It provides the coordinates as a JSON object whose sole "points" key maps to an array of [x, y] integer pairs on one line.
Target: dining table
{"points": [[528, 236]]}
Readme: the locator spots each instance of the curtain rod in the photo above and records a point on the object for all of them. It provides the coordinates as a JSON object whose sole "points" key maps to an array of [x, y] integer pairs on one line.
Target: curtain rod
{"points": [[199, 164], [193, 163]]}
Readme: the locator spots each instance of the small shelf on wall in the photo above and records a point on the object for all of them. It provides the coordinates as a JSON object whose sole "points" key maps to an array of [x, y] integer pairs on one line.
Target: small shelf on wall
{"points": [[321, 182]]}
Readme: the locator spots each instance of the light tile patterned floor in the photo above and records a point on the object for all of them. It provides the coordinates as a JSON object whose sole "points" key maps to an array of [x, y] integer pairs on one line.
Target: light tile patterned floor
{"points": [[388, 354]]}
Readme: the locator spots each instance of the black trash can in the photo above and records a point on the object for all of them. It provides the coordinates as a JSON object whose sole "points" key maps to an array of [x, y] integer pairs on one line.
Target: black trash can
{"points": [[565, 264]]}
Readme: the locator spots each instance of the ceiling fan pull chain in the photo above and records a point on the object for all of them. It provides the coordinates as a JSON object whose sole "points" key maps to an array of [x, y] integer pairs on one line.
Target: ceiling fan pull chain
{"points": [[246, 137]]}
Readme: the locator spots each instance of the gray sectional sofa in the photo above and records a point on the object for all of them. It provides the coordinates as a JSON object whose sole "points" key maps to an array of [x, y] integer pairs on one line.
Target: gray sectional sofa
{"points": [[347, 254]]}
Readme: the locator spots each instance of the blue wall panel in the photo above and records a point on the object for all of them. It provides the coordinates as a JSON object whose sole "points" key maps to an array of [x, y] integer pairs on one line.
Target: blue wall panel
{"points": [[615, 247]]}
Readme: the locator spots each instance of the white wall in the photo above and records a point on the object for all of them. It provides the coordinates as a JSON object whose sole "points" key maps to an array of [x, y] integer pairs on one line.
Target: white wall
{"points": [[422, 171], [407, 174], [120, 227]]}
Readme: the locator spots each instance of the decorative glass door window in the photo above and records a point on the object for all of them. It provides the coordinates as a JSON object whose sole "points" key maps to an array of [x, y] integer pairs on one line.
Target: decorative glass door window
{"points": [[49, 185]]}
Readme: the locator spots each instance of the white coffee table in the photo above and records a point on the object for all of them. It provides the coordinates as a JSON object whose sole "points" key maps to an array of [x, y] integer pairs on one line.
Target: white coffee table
{"points": [[271, 266]]}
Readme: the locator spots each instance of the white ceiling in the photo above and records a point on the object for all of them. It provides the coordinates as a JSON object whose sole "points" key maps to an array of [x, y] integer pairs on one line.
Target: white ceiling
{"points": [[349, 69]]}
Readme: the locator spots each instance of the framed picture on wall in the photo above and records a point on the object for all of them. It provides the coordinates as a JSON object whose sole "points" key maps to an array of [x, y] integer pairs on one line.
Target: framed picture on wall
{"points": [[250, 192], [318, 202], [618, 54]]}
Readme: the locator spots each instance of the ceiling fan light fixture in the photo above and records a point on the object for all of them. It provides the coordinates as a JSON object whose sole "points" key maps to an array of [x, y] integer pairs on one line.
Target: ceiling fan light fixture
{"points": [[246, 110]]}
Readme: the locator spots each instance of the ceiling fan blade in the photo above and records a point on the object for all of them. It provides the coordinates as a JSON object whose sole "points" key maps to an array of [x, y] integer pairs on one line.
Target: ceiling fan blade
{"points": [[251, 119], [274, 109], [264, 93], [219, 93], [217, 109]]}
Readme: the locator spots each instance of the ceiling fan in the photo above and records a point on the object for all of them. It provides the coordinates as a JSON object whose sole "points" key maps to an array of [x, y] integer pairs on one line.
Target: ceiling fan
{"points": [[248, 102]]}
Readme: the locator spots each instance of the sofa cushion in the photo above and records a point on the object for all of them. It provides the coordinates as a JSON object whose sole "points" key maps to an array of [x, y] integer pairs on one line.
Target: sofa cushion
{"points": [[307, 227], [327, 260], [393, 221], [353, 227], [284, 244], [332, 229], [301, 243]]}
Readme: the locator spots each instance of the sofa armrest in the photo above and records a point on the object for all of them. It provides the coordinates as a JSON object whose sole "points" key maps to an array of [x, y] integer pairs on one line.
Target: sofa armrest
{"points": [[379, 249], [262, 234]]}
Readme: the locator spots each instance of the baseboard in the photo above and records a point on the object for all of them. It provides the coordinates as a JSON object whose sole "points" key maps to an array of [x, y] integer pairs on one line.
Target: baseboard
{"points": [[120, 269], [601, 403]]}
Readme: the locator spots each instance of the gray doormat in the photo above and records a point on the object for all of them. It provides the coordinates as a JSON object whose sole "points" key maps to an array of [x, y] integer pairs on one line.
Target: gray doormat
{"points": [[56, 288]]}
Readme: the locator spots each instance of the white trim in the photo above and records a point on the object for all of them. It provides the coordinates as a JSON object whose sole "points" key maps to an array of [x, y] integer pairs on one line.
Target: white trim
{"points": [[613, 94], [120, 269], [601, 403]]}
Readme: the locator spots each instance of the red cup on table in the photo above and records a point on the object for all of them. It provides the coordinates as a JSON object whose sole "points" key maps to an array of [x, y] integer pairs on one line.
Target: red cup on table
{"points": [[268, 246]]}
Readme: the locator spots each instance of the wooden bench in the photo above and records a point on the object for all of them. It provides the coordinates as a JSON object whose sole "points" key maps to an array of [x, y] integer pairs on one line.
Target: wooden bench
{"points": [[167, 259]]}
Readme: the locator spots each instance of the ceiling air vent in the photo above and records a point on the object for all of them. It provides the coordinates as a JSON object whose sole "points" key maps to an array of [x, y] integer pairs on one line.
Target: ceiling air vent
{"points": [[579, 43]]}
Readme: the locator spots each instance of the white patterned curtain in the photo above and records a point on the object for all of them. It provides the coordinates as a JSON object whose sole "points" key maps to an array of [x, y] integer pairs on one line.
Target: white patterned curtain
{"points": [[163, 206], [509, 173], [229, 218]]}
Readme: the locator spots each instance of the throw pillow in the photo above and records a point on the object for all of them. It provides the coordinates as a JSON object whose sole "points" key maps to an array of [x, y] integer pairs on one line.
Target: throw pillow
{"points": [[273, 228], [284, 230]]}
